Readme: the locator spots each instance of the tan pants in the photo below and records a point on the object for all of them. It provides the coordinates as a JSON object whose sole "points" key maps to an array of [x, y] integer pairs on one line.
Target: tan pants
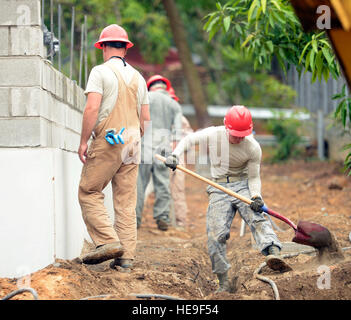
{"points": [[101, 168], [117, 164], [177, 186]]}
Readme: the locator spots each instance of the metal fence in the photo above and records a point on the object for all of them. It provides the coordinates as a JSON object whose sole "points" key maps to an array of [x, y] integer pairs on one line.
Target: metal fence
{"points": [[54, 43], [315, 97]]}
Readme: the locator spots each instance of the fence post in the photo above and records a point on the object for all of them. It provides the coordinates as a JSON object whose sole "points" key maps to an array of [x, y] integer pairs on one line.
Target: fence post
{"points": [[59, 35], [320, 134], [72, 43], [81, 55]]}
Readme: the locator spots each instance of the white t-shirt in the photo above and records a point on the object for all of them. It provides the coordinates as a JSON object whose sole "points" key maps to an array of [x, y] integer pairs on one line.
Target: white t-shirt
{"points": [[103, 80]]}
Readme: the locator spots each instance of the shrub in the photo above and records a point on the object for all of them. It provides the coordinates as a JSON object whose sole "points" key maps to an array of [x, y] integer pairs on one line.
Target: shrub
{"points": [[286, 132]]}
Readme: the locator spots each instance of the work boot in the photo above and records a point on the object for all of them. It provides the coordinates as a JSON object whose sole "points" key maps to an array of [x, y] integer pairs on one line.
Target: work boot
{"points": [[123, 263], [162, 225], [275, 261], [224, 285], [104, 252]]}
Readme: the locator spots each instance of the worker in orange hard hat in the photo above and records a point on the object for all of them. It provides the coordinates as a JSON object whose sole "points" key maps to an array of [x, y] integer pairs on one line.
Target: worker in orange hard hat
{"points": [[166, 116], [116, 111], [235, 158]]}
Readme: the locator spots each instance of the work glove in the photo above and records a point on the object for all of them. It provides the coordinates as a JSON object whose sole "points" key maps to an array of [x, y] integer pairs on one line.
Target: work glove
{"points": [[172, 161], [257, 204]]}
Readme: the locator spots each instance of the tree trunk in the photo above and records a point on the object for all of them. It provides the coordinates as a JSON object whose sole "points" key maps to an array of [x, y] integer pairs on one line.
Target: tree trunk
{"points": [[189, 69]]}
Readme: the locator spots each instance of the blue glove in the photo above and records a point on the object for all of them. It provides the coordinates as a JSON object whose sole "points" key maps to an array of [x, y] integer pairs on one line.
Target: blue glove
{"points": [[113, 138]]}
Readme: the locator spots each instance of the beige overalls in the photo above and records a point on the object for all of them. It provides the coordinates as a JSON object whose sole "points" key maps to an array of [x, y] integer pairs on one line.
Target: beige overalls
{"points": [[117, 163]]}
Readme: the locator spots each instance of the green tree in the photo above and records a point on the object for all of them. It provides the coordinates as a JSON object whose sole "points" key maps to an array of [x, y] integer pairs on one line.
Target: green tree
{"points": [[264, 29]]}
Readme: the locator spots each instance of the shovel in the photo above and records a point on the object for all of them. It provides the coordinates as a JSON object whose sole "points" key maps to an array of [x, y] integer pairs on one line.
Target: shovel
{"points": [[307, 233]]}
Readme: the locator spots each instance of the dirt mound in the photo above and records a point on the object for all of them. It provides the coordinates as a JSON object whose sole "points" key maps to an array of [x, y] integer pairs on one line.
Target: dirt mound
{"points": [[175, 263]]}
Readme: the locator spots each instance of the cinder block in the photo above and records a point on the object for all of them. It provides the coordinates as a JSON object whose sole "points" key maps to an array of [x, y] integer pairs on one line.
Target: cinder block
{"points": [[81, 99], [20, 13], [59, 84], [21, 72], [5, 102], [48, 77], [27, 41], [72, 141], [59, 112], [26, 101], [46, 105], [45, 133], [15, 132], [69, 91], [74, 120], [4, 40], [58, 136]]}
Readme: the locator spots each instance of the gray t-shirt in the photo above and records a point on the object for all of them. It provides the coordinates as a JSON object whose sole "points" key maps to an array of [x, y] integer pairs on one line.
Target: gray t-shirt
{"points": [[165, 124]]}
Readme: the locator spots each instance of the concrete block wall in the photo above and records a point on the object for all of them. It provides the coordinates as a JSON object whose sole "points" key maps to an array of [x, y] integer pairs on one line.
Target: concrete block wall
{"points": [[35, 97], [40, 125]]}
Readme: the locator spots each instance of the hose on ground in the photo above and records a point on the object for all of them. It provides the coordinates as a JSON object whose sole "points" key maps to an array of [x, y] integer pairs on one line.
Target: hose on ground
{"points": [[148, 296], [18, 291], [96, 297], [265, 279]]}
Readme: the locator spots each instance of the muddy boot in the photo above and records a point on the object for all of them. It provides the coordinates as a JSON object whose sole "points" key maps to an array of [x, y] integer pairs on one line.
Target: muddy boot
{"points": [[224, 285], [162, 225], [125, 264], [275, 261], [103, 253]]}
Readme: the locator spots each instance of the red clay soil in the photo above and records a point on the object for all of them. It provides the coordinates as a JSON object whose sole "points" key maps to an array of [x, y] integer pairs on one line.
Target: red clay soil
{"points": [[176, 263]]}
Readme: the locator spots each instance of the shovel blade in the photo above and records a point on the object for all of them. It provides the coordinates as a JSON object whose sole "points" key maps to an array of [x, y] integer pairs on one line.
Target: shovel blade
{"points": [[312, 234]]}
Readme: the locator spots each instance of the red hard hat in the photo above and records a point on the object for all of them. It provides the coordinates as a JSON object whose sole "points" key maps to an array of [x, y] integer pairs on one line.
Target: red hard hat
{"points": [[172, 94], [157, 77], [113, 33], [238, 121]]}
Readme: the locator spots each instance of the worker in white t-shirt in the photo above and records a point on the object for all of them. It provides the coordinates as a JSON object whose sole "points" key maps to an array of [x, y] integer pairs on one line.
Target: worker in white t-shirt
{"points": [[115, 114]]}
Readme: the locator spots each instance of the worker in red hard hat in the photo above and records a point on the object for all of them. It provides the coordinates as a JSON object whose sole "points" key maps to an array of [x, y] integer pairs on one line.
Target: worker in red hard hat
{"points": [[166, 116], [117, 107], [235, 158], [173, 94]]}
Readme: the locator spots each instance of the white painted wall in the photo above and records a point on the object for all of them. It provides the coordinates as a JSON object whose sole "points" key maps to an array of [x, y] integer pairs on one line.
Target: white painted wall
{"points": [[40, 216]]}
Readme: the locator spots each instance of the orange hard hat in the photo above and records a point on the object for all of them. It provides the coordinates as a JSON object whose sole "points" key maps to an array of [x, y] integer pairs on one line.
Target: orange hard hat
{"points": [[238, 121], [172, 94], [113, 33], [157, 77]]}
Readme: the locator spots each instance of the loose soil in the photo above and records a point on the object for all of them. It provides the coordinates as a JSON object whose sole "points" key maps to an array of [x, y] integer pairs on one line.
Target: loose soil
{"points": [[175, 262]]}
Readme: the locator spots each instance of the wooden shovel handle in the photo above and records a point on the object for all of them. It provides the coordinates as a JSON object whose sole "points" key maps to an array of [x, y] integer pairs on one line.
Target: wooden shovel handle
{"points": [[231, 193], [210, 182]]}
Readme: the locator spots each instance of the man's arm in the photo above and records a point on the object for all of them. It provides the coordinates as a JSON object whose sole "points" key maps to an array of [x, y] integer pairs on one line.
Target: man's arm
{"points": [[144, 118], [191, 140], [90, 117], [254, 179]]}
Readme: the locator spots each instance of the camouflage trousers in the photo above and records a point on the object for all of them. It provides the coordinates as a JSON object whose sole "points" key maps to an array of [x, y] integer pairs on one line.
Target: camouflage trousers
{"points": [[220, 214]]}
